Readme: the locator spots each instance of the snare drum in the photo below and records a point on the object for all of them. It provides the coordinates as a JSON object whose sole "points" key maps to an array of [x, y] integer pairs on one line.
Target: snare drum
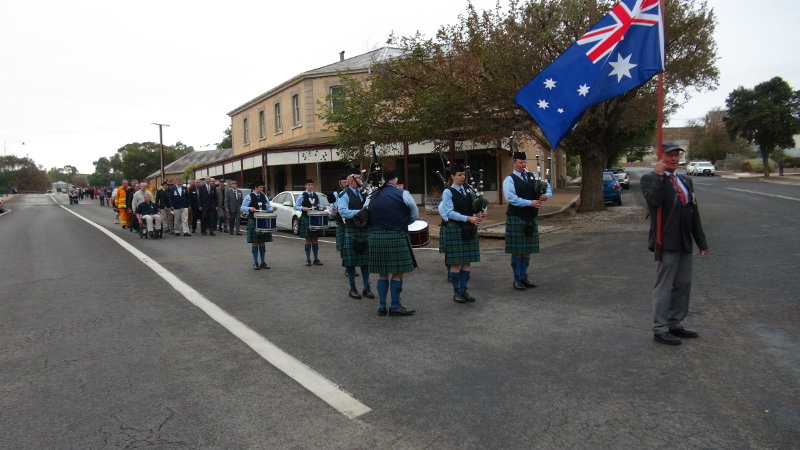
{"points": [[317, 220], [265, 222], [418, 233]]}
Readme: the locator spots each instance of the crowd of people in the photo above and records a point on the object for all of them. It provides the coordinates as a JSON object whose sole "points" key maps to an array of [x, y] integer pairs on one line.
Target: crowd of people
{"points": [[372, 229]]}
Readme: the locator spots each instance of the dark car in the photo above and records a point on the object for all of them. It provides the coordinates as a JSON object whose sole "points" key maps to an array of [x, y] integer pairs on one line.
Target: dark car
{"points": [[612, 193]]}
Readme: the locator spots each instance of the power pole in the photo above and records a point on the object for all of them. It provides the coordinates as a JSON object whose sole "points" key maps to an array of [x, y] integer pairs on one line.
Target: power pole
{"points": [[161, 141]]}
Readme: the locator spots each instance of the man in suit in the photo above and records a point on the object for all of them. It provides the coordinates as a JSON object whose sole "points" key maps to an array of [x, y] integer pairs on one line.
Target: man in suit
{"points": [[233, 201], [197, 208], [680, 224], [162, 202], [222, 214], [208, 205], [178, 203]]}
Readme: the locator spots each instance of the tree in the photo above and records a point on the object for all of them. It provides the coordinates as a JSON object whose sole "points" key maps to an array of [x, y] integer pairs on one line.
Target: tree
{"points": [[138, 160], [767, 115], [21, 173], [710, 140], [461, 84], [227, 140], [104, 174]]}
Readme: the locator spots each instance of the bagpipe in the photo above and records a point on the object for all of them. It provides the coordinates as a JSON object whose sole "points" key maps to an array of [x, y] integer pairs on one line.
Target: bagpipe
{"points": [[539, 184], [479, 202], [374, 181]]}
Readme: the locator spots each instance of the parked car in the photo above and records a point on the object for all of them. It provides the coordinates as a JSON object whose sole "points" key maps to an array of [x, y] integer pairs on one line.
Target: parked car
{"points": [[612, 193], [288, 218], [700, 168], [622, 177]]}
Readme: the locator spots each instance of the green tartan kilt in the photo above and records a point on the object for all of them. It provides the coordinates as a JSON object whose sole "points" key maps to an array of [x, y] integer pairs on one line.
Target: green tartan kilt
{"points": [[304, 232], [442, 236], [390, 252], [457, 250], [516, 241], [253, 237], [339, 236], [350, 258]]}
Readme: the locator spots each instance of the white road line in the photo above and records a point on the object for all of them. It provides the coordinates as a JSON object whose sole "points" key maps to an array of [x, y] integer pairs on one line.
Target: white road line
{"points": [[768, 195], [320, 386]]}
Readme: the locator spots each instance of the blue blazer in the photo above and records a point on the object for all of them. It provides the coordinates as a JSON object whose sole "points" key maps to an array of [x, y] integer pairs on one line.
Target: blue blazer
{"points": [[176, 200]]}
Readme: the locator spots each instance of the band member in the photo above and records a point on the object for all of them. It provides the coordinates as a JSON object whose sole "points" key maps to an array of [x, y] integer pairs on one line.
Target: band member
{"points": [[461, 232], [391, 211], [355, 244], [522, 231], [334, 210], [257, 201], [121, 205], [309, 201]]}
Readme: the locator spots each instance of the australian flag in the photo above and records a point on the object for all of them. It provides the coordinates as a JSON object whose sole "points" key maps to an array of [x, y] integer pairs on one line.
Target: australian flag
{"points": [[622, 51]]}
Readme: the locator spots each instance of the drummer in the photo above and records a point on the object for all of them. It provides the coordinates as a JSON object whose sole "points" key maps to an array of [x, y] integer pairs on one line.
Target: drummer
{"points": [[309, 200], [256, 201], [461, 241], [391, 210], [355, 247]]}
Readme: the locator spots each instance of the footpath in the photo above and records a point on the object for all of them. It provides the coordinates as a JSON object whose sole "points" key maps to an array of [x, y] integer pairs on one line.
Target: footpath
{"points": [[494, 224]]}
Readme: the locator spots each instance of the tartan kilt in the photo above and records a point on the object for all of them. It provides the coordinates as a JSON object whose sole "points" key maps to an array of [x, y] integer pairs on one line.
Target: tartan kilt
{"points": [[390, 252], [349, 256], [339, 236], [457, 250], [253, 237], [516, 241], [303, 230], [442, 236]]}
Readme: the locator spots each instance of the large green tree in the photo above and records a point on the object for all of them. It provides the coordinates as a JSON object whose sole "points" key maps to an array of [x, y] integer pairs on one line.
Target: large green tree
{"points": [[767, 115], [711, 141], [104, 173], [460, 85], [22, 174], [138, 160]]}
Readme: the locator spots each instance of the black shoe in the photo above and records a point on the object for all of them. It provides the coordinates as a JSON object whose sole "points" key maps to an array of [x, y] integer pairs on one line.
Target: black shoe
{"points": [[264, 266], [231, 233], [308, 262], [176, 234], [187, 234], [467, 297], [381, 311], [124, 226], [203, 233], [238, 233], [684, 333], [519, 286], [354, 294], [449, 279], [527, 283], [401, 311], [317, 262], [211, 234], [256, 266], [367, 293], [458, 298], [667, 338]]}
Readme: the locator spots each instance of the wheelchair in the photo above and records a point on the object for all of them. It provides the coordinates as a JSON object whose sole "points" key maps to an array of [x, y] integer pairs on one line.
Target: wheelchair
{"points": [[158, 232]]}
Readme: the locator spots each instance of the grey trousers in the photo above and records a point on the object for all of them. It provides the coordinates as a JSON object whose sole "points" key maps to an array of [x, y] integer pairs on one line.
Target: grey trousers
{"points": [[181, 220], [671, 291]]}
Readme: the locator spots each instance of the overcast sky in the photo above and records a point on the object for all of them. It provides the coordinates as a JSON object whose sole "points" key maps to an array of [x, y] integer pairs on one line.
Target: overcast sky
{"points": [[80, 79]]}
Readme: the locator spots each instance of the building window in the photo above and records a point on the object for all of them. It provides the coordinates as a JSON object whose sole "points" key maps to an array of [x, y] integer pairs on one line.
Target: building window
{"points": [[262, 125], [245, 135], [296, 110], [337, 97], [278, 128]]}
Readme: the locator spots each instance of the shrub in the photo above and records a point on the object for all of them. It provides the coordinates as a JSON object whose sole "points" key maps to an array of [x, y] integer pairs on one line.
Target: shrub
{"points": [[756, 165]]}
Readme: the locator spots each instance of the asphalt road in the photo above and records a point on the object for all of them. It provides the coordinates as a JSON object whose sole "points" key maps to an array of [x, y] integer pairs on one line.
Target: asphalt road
{"points": [[97, 351]]}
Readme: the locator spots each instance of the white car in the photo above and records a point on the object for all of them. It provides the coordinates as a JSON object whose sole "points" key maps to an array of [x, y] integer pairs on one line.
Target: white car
{"points": [[622, 177], [700, 168], [287, 217]]}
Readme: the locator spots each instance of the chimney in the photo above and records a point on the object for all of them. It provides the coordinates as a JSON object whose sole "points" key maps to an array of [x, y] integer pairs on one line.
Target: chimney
{"points": [[341, 55]]}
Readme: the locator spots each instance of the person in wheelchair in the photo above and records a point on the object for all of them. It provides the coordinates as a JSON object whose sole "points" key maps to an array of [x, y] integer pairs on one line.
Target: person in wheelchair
{"points": [[147, 213]]}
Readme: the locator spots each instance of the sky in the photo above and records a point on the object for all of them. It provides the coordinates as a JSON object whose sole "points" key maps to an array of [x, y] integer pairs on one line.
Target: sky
{"points": [[80, 79]]}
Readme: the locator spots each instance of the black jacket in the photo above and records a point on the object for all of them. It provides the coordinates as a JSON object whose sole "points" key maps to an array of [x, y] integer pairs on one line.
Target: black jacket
{"points": [[680, 224]]}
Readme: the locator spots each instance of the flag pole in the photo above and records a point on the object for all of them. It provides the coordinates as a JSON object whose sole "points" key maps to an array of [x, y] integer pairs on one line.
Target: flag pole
{"points": [[660, 134]]}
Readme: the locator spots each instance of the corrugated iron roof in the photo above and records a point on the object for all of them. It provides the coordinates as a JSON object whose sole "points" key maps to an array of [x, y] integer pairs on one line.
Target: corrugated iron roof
{"points": [[198, 158]]}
